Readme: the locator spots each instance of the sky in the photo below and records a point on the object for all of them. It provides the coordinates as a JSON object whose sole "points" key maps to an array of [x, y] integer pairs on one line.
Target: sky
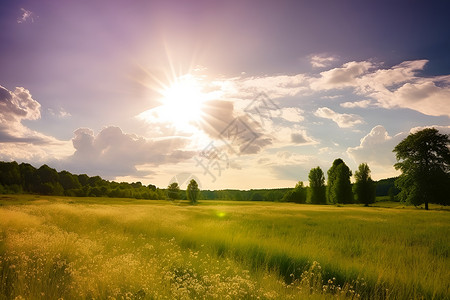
{"points": [[237, 94]]}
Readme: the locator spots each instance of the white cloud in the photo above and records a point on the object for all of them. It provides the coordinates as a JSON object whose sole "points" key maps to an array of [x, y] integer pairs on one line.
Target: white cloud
{"points": [[441, 129], [26, 15], [18, 105], [396, 87], [36, 154], [400, 87], [424, 97], [324, 150], [114, 153], [346, 76], [15, 107], [376, 147], [60, 113], [332, 97], [322, 60], [360, 104], [292, 114], [342, 120], [388, 78], [274, 86]]}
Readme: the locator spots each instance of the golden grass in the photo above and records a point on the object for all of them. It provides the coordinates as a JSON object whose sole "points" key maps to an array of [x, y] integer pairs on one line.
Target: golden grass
{"points": [[75, 248]]}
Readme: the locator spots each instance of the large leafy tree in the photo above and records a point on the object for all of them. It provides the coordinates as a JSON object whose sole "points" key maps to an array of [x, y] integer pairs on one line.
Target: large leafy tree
{"points": [[192, 191], [173, 191], [424, 160], [364, 187], [317, 186], [339, 186]]}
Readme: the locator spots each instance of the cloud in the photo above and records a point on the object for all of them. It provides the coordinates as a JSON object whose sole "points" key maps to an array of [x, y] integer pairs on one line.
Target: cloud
{"points": [[15, 107], [18, 105], [401, 87], [324, 150], [301, 137], [424, 97], [360, 104], [442, 129], [395, 87], [36, 154], [342, 120], [346, 76], [298, 138], [331, 97], [292, 114], [274, 87], [60, 113], [376, 147], [27, 15], [382, 79], [114, 153], [321, 60]]}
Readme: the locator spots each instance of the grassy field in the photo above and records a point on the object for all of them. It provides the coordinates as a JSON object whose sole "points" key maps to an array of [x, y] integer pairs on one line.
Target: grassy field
{"points": [[79, 248]]}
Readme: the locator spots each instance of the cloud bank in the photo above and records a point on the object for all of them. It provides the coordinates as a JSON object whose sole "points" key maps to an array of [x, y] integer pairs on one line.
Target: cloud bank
{"points": [[114, 153]]}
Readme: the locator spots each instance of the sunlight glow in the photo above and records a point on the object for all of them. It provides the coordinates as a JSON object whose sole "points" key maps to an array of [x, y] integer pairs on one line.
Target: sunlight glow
{"points": [[182, 101], [221, 214]]}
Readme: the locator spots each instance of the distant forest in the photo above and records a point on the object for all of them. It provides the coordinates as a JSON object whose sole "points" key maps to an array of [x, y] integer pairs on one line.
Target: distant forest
{"points": [[25, 179]]}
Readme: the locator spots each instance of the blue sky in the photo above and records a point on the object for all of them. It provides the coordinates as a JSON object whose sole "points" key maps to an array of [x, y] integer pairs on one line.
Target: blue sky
{"points": [[241, 94]]}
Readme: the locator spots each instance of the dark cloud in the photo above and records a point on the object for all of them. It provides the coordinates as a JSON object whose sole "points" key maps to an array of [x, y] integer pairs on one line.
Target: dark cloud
{"points": [[298, 138]]}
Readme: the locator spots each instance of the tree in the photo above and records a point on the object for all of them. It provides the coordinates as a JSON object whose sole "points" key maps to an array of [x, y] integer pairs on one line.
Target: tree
{"points": [[10, 173], [69, 181], [192, 191], [49, 181], [424, 160], [297, 195], [317, 186], [173, 191], [364, 187], [30, 181], [339, 186]]}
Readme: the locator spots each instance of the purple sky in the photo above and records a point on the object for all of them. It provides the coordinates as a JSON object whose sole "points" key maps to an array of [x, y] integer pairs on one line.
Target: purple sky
{"points": [[146, 90]]}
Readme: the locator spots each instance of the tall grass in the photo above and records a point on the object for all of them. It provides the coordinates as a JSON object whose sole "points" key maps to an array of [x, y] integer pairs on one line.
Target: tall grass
{"points": [[53, 248]]}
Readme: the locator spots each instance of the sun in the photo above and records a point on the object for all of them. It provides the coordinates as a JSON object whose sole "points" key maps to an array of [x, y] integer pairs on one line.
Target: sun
{"points": [[182, 101]]}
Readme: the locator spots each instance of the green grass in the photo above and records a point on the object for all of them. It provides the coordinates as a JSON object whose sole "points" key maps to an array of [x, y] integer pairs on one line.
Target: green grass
{"points": [[79, 248]]}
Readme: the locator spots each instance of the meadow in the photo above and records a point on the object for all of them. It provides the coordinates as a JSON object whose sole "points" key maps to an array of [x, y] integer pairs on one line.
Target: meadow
{"points": [[103, 248]]}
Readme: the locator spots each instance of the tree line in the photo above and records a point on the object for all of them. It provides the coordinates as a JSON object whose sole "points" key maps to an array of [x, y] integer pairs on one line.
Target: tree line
{"points": [[24, 178]]}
